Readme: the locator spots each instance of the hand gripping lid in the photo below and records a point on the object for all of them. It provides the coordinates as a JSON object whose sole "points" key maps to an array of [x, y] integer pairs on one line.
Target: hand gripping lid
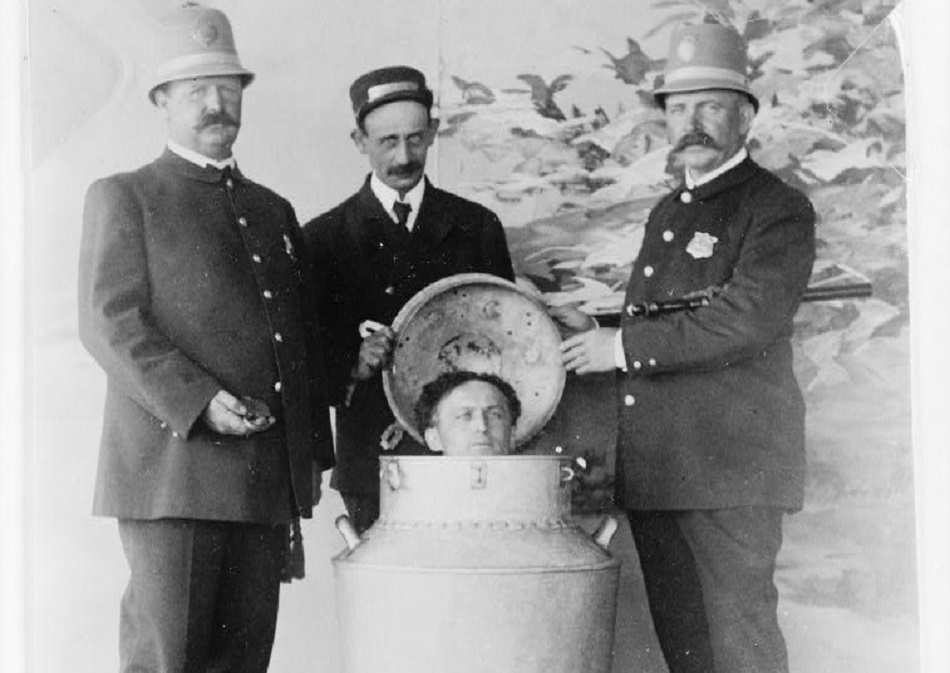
{"points": [[477, 322]]}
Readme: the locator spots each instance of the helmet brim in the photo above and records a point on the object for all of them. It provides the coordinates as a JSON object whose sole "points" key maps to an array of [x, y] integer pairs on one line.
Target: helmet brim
{"points": [[691, 85], [214, 69]]}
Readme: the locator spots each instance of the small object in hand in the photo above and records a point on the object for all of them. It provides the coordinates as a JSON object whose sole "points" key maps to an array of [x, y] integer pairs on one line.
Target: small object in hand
{"points": [[256, 409]]}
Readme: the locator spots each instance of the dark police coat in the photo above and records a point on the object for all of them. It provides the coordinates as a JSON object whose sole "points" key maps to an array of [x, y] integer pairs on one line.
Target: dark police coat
{"points": [[190, 282], [711, 414], [370, 267]]}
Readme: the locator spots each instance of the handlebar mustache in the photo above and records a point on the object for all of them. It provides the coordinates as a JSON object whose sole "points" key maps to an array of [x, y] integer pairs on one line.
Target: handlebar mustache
{"points": [[696, 138], [216, 118]]}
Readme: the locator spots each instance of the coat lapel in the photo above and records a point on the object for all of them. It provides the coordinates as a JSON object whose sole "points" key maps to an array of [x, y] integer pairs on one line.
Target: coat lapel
{"points": [[378, 239], [434, 221], [372, 225]]}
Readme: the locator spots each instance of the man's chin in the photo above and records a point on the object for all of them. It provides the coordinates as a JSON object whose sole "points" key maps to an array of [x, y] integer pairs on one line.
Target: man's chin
{"points": [[700, 158], [217, 145], [479, 450], [219, 134]]}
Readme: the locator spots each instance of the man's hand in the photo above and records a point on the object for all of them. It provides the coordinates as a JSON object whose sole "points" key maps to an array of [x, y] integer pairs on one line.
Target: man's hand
{"points": [[571, 320], [589, 352], [317, 489], [375, 353], [227, 415]]}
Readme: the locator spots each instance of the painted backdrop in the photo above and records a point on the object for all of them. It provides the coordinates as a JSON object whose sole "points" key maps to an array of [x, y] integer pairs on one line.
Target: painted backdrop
{"points": [[546, 119], [556, 130]]}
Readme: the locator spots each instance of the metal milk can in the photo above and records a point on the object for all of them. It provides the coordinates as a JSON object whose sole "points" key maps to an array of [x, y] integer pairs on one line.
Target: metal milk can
{"points": [[475, 567]]}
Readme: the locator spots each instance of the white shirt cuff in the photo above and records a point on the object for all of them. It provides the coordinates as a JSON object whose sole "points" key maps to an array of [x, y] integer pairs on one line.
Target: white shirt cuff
{"points": [[620, 358]]}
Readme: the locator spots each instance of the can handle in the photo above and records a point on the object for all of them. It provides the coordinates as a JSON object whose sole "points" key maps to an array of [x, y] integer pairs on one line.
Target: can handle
{"points": [[567, 474], [350, 536], [393, 476], [605, 531]]}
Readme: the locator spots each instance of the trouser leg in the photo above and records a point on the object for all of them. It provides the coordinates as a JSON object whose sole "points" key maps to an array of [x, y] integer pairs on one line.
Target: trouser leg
{"points": [[673, 591], [362, 508], [200, 593], [249, 596], [735, 551], [168, 603]]}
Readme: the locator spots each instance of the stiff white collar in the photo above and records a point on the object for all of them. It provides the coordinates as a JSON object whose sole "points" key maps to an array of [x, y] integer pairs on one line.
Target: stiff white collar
{"points": [[200, 159], [736, 159], [388, 196]]}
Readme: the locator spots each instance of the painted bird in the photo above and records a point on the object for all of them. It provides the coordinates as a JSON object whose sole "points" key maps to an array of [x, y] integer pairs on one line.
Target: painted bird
{"points": [[633, 67], [474, 93], [542, 94]]}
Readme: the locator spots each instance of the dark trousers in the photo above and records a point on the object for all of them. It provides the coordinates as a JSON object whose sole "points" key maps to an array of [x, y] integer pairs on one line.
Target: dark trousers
{"points": [[362, 508], [673, 591], [724, 562], [202, 595]]}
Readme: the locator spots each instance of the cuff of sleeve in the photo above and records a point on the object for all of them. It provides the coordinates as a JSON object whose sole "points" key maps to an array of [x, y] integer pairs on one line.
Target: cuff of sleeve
{"points": [[192, 406], [620, 359], [350, 390]]}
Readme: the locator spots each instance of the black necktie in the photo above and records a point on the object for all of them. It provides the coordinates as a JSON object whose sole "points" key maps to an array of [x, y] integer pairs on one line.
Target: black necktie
{"points": [[402, 211]]}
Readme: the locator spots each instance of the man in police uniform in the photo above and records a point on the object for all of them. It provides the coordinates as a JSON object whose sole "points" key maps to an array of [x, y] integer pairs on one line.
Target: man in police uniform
{"points": [[215, 427], [711, 438], [376, 250]]}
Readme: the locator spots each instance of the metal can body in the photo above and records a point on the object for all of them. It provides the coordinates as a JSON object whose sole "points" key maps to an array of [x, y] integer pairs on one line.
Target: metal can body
{"points": [[475, 566]]}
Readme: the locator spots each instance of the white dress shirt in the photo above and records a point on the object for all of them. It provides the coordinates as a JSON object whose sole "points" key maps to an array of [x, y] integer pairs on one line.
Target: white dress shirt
{"points": [[736, 159], [200, 159], [388, 196]]}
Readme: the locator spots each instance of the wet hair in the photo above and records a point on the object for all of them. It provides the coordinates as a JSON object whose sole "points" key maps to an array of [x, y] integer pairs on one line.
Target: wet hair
{"points": [[436, 390]]}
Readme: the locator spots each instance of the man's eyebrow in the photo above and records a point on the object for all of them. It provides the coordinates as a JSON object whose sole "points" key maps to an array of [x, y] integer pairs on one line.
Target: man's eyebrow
{"points": [[494, 405]]}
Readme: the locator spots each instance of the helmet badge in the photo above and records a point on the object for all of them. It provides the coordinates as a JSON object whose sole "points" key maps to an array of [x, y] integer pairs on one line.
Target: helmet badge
{"points": [[205, 33], [687, 49]]}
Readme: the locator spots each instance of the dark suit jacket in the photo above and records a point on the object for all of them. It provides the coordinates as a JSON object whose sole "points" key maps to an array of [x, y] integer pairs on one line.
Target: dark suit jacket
{"points": [[711, 414], [369, 268], [186, 279]]}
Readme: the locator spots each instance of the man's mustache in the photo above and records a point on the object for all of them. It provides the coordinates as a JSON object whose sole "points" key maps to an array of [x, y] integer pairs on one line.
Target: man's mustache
{"points": [[405, 170], [696, 138], [212, 118]]}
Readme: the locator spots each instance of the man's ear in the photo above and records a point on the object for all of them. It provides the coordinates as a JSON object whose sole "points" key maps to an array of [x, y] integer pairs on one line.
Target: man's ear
{"points": [[433, 128], [359, 139], [746, 115], [160, 98], [433, 441]]}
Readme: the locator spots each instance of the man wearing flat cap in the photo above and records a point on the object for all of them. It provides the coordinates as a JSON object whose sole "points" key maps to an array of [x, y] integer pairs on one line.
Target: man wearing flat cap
{"points": [[377, 249], [216, 429], [711, 439]]}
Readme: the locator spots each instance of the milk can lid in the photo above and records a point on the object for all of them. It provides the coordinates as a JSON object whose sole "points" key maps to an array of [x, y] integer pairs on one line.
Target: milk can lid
{"points": [[477, 322]]}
